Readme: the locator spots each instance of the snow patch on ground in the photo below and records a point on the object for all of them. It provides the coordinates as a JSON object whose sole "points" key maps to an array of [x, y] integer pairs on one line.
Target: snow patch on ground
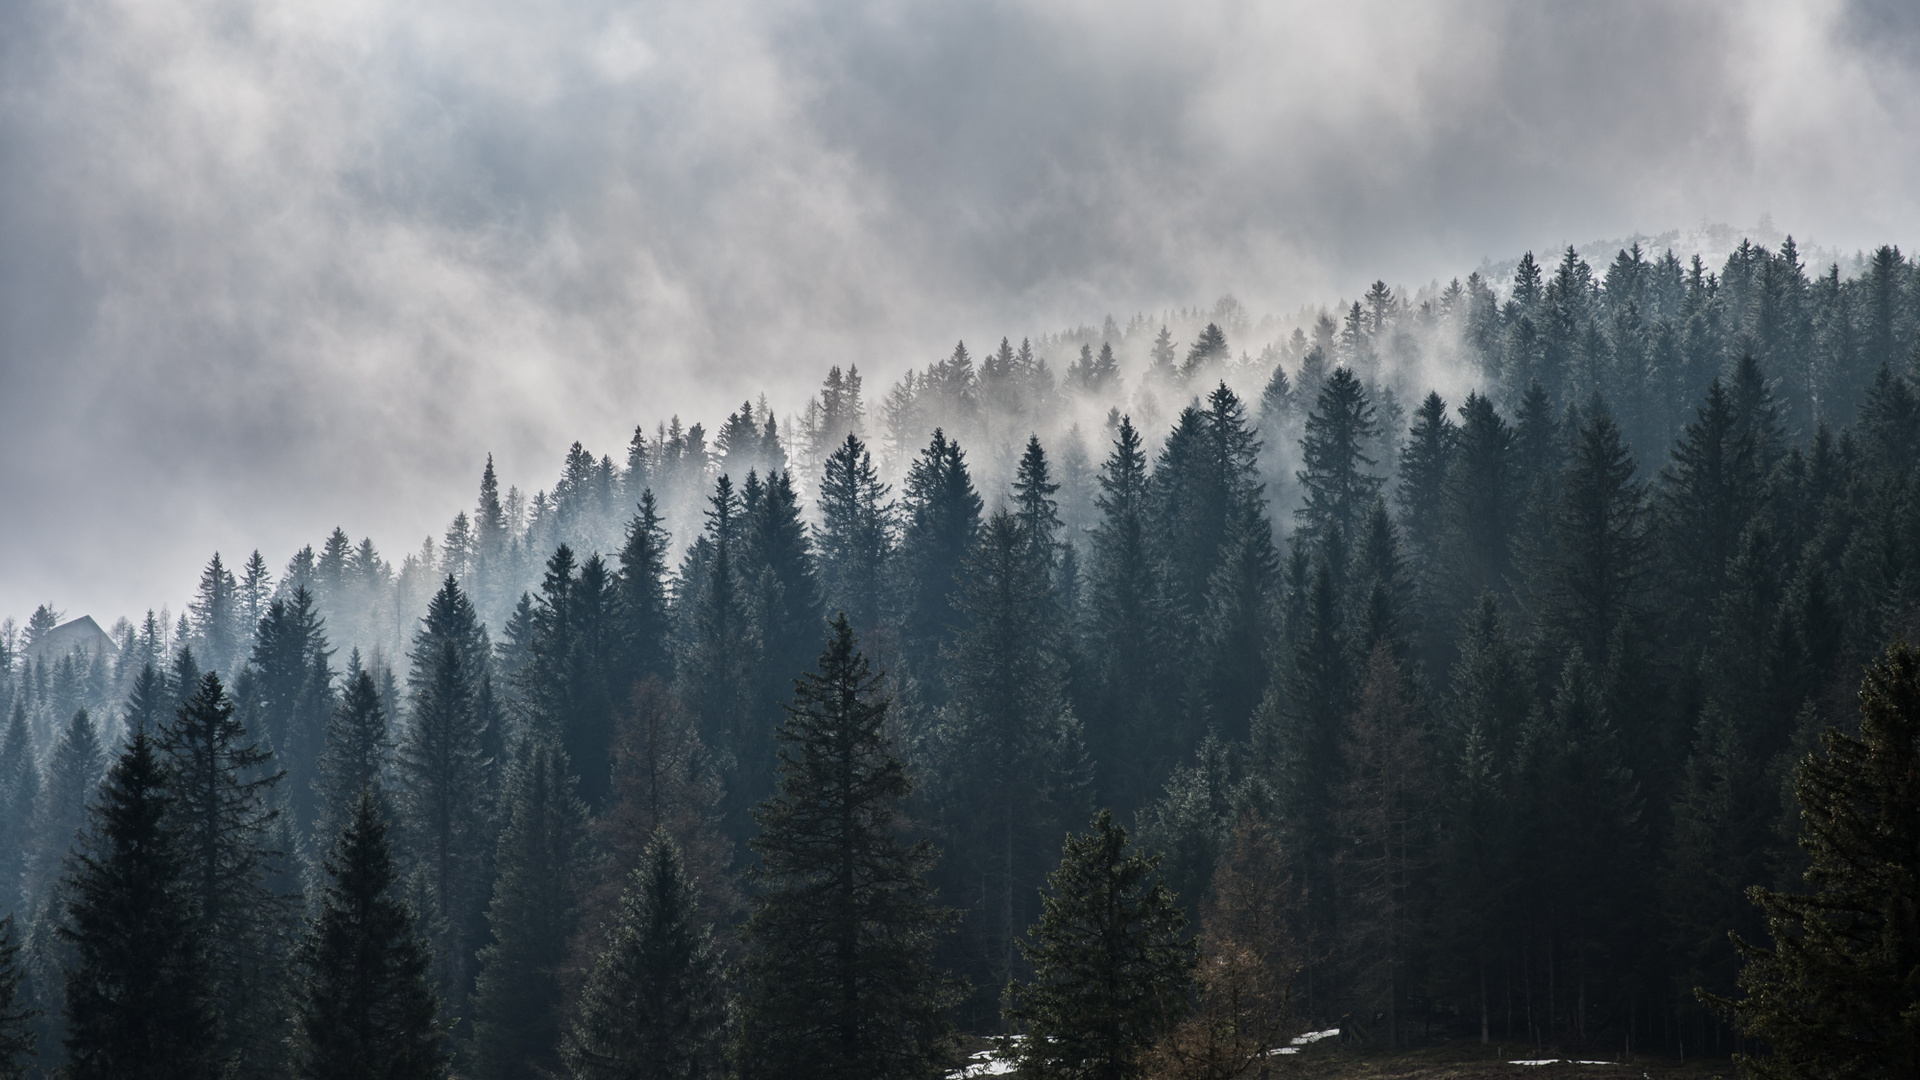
{"points": [[986, 1063], [1559, 1061], [1308, 1039]]}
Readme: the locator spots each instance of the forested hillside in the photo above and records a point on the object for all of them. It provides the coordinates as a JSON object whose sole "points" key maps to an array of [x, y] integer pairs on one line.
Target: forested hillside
{"points": [[1487, 624]]}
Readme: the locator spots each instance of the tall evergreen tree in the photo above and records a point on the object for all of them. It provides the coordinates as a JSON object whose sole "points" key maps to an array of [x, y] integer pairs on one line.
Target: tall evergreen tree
{"points": [[535, 909], [219, 783], [839, 979], [1123, 634], [20, 790], [722, 650], [367, 1007], [942, 519], [1424, 463], [855, 534], [72, 774], [1598, 574], [653, 1007], [139, 995], [287, 701], [783, 600], [18, 1042], [1011, 764], [640, 587], [1338, 481], [443, 808], [1111, 963], [359, 752], [1834, 995]]}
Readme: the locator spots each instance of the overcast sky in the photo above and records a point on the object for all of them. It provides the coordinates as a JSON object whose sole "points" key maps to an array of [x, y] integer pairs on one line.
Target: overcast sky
{"points": [[270, 266]]}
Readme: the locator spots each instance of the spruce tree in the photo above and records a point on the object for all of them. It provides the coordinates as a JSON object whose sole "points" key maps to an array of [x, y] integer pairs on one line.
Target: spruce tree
{"points": [[219, 783], [855, 534], [72, 774], [654, 1005], [1011, 764], [1834, 995], [139, 995], [1481, 501], [1424, 463], [367, 1007], [535, 909], [1338, 479], [640, 589], [444, 811], [783, 600], [1111, 963], [721, 651], [290, 696], [839, 980], [18, 1042], [1598, 573], [20, 790], [942, 519], [359, 751], [1123, 635]]}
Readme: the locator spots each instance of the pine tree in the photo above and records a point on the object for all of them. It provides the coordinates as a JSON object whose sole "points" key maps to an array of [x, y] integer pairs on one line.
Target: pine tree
{"points": [[1208, 349], [367, 1007], [1424, 463], [839, 980], [290, 696], [653, 1007], [359, 751], [1598, 574], [443, 808], [216, 615], [784, 604], [640, 591], [855, 534], [18, 1042], [1481, 502], [1129, 748], [20, 788], [1337, 481], [1111, 963], [219, 784], [72, 774], [1834, 994], [138, 994], [535, 909], [1382, 810], [943, 517], [722, 651], [1011, 764]]}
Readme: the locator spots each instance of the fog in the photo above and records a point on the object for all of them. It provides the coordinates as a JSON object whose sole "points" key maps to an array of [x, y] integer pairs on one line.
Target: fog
{"points": [[271, 267]]}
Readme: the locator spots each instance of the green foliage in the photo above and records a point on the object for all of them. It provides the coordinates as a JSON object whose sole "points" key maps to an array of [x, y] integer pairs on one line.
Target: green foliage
{"points": [[1834, 996], [219, 783], [653, 1007], [1111, 963], [366, 1007], [139, 993], [535, 909], [17, 1039], [839, 979]]}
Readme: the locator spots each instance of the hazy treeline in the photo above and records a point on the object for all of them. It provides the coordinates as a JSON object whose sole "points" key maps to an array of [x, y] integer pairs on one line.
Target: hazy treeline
{"points": [[1514, 676]]}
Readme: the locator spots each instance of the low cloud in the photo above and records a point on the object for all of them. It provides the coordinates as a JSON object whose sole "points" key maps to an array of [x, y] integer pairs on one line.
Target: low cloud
{"points": [[270, 267]]}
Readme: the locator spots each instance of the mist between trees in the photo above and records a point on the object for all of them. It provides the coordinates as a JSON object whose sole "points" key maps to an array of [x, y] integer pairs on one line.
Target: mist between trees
{"points": [[1486, 706]]}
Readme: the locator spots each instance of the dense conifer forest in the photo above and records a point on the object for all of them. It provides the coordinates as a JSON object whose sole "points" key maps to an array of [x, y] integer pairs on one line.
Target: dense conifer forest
{"points": [[1445, 664]]}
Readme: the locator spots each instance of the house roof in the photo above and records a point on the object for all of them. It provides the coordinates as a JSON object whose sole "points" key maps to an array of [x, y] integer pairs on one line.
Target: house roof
{"points": [[82, 633]]}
